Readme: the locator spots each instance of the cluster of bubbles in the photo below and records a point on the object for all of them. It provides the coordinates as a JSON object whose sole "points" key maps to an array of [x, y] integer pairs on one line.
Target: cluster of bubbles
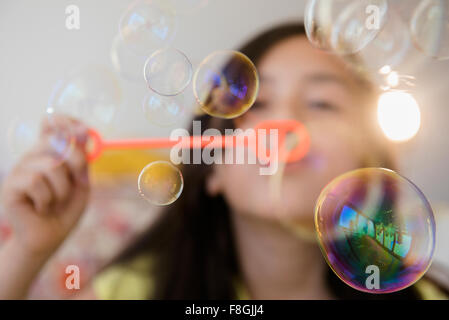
{"points": [[378, 34], [373, 221], [141, 52], [348, 27], [375, 33], [225, 84]]}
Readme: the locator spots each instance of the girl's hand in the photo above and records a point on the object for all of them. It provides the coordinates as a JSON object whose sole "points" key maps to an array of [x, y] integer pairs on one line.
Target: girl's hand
{"points": [[44, 198]]}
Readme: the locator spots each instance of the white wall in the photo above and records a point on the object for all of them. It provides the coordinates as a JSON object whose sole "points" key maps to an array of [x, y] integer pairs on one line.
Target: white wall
{"points": [[36, 50]]}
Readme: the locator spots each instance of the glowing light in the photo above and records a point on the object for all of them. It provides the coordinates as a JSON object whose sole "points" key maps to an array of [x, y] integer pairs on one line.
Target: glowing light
{"points": [[398, 115], [385, 69], [393, 79]]}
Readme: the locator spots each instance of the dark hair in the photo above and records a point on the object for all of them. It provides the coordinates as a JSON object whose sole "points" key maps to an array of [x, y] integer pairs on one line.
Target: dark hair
{"points": [[192, 242]]}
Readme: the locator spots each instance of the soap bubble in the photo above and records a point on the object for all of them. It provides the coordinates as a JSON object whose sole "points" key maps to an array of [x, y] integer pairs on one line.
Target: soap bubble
{"points": [[160, 183], [430, 28], [148, 25], [226, 84], [91, 95], [373, 218], [344, 26], [390, 47], [168, 72], [126, 63], [24, 133], [162, 110]]}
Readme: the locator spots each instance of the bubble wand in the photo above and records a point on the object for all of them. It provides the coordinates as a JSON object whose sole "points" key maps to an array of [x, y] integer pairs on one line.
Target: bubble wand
{"points": [[284, 127]]}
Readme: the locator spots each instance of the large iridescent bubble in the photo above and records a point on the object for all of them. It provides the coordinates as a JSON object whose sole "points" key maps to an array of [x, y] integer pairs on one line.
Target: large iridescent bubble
{"points": [[376, 230], [226, 84]]}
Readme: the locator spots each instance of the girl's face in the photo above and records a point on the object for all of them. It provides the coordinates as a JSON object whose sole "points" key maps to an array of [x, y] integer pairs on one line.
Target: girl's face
{"points": [[299, 82]]}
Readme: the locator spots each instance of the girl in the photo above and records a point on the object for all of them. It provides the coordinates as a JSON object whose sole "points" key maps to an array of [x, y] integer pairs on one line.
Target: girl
{"points": [[228, 235]]}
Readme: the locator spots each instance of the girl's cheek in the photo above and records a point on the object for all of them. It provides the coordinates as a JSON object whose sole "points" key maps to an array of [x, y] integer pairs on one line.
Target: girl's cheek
{"points": [[338, 143], [244, 189]]}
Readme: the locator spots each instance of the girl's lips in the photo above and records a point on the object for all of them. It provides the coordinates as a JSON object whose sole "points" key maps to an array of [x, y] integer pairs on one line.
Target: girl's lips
{"points": [[294, 166]]}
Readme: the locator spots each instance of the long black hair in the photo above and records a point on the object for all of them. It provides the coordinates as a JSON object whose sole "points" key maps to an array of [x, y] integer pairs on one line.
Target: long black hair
{"points": [[192, 242]]}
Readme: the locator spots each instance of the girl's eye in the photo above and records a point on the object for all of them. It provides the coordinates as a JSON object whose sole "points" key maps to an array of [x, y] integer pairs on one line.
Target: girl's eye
{"points": [[322, 105]]}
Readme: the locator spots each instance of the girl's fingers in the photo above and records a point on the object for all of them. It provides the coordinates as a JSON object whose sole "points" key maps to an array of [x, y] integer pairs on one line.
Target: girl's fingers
{"points": [[60, 181], [66, 131], [57, 123], [43, 180], [75, 132], [81, 132], [39, 171], [34, 186], [62, 170], [77, 164], [40, 193], [58, 176]]}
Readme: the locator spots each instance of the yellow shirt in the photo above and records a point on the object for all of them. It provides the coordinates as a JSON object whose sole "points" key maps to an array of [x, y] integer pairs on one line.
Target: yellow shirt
{"points": [[133, 282]]}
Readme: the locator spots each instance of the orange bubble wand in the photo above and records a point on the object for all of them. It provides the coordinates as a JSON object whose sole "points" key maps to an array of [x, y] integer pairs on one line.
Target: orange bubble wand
{"points": [[284, 127]]}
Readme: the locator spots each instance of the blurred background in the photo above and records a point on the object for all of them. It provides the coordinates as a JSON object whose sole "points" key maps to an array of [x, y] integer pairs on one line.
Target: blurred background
{"points": [[38, 52]]}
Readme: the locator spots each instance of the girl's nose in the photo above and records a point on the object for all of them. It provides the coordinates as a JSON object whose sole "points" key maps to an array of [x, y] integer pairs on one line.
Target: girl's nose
{"points": [[291, 108]]}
